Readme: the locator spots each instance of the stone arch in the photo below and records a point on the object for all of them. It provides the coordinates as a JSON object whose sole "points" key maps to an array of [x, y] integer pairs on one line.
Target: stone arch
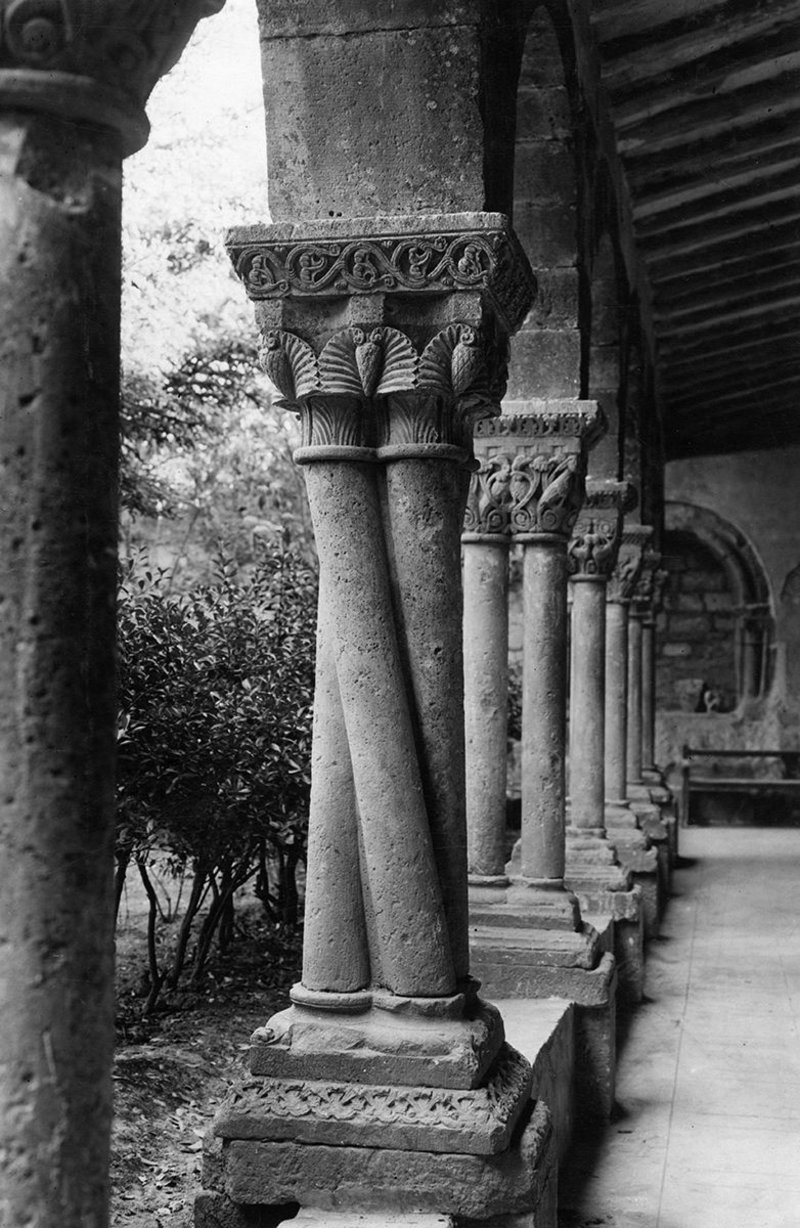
{"points": [[716, 623], [547, 207]]}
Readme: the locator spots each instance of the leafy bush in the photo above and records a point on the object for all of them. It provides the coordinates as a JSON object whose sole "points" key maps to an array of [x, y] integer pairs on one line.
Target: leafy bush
{"points": [[216, 691]]}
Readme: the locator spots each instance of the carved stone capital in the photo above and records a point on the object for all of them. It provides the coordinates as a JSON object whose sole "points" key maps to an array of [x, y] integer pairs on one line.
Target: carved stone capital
{"points": [[375, 390], [595, 541], [644, 593], [532, 470], [430, 301], [94, 62], [630, 560]]}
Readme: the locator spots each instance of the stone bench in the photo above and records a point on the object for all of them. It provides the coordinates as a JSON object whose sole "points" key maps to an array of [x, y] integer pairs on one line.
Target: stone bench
{"points": [[752, 786]]}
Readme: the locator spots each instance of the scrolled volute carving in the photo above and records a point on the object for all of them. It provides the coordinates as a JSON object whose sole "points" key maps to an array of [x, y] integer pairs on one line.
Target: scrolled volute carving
{"points": [[124, 45], [547, 494], [384, 390], [484, 257]]}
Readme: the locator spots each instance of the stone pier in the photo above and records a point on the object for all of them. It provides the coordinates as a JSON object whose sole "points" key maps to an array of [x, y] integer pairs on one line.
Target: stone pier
{"points": [[73, 96], [527, 935], [593, 871], [387, 1085]]}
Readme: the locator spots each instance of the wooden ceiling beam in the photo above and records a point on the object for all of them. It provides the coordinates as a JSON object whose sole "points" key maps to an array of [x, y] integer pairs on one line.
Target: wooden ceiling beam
{"points": [[679, 42], [716, 252], [740, 227], [709, 299], [723, 397], [726, 115], [704, 192], [756, 190], [711, 160]]}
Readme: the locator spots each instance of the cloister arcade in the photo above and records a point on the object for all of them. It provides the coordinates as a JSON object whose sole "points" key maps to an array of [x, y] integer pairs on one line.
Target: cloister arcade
{"points": [[530, 283]]}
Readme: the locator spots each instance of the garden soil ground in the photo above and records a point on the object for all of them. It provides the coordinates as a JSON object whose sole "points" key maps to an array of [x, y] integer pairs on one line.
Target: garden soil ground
{"points": [[172, 1069]]}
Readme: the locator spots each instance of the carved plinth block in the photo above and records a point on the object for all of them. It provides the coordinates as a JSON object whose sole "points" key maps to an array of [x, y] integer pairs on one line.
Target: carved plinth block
{"points": [[387, 1044], [479, 1121], [259, 1173]]}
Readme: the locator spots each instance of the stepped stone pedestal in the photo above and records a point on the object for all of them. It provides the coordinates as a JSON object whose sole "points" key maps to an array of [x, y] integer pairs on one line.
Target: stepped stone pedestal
{"points": [[387, 1087]]}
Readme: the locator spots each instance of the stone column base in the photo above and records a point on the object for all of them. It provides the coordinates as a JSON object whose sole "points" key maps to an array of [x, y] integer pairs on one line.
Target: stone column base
{"points": [[252, 1183], [509, 967]]}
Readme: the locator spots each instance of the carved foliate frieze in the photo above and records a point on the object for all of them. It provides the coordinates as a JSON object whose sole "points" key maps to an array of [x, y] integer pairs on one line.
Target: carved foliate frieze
{"points": [[630, 561], [376, 389], [441, 260], [125, 45], [595, 541], [317, 1110]]}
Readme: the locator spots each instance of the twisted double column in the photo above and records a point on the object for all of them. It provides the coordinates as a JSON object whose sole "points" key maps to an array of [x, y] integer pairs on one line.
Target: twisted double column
{"points": [[387, 405]]}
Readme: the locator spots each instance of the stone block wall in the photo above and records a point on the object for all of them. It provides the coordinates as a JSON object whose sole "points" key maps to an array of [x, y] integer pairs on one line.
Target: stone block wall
{"points": [[696, 628]]}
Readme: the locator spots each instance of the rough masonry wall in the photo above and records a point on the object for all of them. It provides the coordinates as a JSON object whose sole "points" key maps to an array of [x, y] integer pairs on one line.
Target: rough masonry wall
{"points": [[757, 493]]}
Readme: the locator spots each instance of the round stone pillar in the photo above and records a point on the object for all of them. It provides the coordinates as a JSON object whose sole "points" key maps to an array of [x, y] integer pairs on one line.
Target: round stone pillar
{"points": [[587, 704], [544, 695], [486, 704], [616, 700], [72, 108], [648, 694], [635, 697]]}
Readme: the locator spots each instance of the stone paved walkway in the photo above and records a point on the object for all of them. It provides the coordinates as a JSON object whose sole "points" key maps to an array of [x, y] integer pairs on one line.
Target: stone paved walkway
{"points": [[708, 1134]]}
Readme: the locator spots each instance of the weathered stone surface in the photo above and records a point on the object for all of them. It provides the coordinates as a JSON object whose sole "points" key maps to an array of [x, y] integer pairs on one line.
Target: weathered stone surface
{"points": [[518, 976], [486, 702], [314, 1218], [479, 1121], [380, 1046], [498, 945], [362, 1178]]}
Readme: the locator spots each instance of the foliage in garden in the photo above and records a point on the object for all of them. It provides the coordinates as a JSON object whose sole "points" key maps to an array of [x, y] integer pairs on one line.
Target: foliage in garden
{"points": [[216, 689]]}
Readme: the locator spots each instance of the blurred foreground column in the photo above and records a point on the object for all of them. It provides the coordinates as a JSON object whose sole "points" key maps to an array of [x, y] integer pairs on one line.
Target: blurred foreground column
{"points": [[72, 95]]}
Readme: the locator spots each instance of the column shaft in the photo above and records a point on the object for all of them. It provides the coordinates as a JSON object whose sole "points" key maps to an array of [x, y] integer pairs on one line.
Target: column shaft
{"points": [[587, 705], [400, 878], [648, 694], [59, 323], [635, 699], [335, 950], [425, 510], [486, 702], [616, 699], [544, 709]]}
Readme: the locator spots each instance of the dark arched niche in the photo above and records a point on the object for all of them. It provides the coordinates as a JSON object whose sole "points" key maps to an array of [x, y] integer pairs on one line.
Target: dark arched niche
{"points": [[715, 628], [546, 354]]}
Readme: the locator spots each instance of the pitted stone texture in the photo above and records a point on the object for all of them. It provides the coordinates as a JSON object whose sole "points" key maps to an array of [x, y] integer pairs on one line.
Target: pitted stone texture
{"points": [[372, 1179], [479, 1121], [379, 1046]]}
